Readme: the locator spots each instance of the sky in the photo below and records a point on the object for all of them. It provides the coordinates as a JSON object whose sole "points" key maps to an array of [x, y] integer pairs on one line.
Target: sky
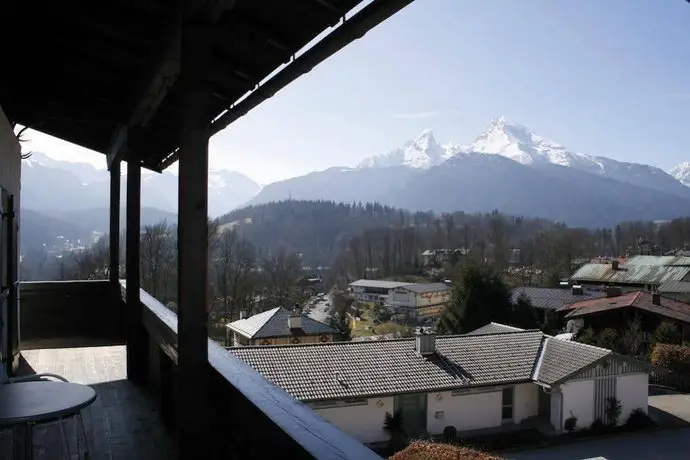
{"points": [[608, 78]]}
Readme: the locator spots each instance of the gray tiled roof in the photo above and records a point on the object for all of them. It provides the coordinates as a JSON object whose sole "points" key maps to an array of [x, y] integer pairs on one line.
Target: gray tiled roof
{"points": [[561, 358], [494, 328], [427, 287], [274, 323], [377, 368], [553, 298], [675, 287]]}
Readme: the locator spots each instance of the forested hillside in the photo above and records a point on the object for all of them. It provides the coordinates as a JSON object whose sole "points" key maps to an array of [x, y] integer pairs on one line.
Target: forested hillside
{"points": [[320, 230]]}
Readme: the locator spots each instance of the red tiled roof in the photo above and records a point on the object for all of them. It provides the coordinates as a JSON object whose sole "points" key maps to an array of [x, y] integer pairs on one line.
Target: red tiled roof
{"points": [[636, 299]]}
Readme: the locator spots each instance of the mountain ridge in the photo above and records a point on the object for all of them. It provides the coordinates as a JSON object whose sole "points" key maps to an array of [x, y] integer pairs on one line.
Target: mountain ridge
{"points": [[74, 186], [416, 176]]}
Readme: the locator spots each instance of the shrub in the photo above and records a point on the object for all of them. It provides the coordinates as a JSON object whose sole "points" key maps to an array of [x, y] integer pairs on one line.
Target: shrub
{"points": [[587, 336], [608, 338], [570, 424], [450, 434], [639, 420], [597, 426], [391, 423], [424, 450], [667, 332], [613, 410], [672, 357]]}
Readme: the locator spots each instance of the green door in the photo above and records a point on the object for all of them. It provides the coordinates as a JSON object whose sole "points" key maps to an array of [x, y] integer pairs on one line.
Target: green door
{"points": [[412, 409]]}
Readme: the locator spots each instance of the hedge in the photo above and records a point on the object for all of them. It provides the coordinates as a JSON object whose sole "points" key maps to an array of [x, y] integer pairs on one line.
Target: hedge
{"points": [[672, 357], [425, 450]]}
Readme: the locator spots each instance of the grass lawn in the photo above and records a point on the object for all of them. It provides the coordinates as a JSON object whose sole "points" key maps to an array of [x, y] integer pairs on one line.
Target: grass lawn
{"points": [[367, 327], [364, 327]]}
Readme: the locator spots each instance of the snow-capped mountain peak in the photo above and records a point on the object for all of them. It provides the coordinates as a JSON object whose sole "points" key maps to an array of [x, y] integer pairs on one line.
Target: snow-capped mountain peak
{"points": [[517, 142], [681, 172], [422, 152]]}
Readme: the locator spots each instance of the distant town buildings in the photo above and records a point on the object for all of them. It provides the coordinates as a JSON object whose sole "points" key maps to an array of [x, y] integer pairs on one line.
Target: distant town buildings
{"points": [[411, 299]]}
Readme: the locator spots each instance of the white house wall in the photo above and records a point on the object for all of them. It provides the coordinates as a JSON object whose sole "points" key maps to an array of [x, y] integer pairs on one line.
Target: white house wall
{"points": [[556, 419], [465, 413], [363, 422], [578, 401], [632, 391], [525, 401]]}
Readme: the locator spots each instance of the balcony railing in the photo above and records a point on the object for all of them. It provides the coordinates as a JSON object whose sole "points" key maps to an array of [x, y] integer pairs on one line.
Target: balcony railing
{"points": [[250, 416]]}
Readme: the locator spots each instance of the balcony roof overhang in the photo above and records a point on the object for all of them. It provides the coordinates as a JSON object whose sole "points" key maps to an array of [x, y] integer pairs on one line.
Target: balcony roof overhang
{"points": [[92, 73]]}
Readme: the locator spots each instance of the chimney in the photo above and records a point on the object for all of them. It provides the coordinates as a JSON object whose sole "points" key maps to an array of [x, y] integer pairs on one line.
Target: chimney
{"points": [[243, 314], [577, 290], [295, 318], [564, 285], [425, 344], [614, 264], [613, 291], [656, 298]]}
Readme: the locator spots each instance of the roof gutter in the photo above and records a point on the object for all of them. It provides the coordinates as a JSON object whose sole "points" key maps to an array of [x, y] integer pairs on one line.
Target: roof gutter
{"points": [[351, 29]]}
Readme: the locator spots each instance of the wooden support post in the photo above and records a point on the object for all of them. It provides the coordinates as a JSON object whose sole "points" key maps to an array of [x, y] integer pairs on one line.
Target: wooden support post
{"points": [[192, 241], [137, 346], [115, 225], [192, 283]]}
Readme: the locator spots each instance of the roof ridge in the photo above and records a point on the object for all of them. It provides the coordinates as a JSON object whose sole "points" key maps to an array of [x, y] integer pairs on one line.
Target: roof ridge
{"points": [[397, 339], [579, 343], [519, 331], [269, 318]]}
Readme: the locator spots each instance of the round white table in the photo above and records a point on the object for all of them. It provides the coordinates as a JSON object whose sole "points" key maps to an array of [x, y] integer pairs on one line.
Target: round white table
{"points": [[23, 405]]}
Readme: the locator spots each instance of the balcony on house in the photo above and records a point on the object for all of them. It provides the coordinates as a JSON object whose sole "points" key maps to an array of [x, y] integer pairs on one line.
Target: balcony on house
{"points": [[146, 84], [78, 329]]}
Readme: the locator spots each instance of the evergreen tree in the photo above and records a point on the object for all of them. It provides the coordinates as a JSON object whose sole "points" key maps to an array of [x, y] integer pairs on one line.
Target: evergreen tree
{"points": [[479, 297]]}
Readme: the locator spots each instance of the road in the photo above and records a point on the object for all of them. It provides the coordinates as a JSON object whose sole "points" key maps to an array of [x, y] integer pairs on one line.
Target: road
{"points": [[320, 310], [656, 445]]}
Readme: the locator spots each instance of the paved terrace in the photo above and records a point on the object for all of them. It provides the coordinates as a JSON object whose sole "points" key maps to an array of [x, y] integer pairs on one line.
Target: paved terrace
{"points": [[123, 423]]}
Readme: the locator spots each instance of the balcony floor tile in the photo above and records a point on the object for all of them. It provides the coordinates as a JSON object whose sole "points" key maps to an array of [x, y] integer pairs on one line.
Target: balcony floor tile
{"points": [[123, 422]]}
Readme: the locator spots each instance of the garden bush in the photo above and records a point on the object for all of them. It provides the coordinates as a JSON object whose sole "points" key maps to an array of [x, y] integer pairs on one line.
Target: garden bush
{"points": [[672, 357], [570, 424], [424, 450], [450, 434], [639, 420]]}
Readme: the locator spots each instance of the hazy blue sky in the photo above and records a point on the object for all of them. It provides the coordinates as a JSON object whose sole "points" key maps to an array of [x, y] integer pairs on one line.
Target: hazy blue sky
{"points": [[604, 77]]}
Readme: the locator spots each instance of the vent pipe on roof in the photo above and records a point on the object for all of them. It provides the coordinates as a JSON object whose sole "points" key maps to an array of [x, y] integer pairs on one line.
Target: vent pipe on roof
{"points": [[425, 344]]}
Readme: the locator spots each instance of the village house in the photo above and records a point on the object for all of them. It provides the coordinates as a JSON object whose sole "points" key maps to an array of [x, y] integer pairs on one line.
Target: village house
{"points": [[617, 309], [431, 257], [496, 378], [309, 285], [419, 300], [374, 292], [639, 272], [551, 299], [279, 326]]}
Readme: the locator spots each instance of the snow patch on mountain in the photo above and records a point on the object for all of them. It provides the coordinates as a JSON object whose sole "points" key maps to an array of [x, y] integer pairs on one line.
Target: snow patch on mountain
{"points": [[517, 142], [681, 173], [420, 153]]}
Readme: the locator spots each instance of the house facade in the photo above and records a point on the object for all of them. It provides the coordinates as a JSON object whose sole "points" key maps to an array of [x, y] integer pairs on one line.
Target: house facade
{"points": [[419, 300], [479, 381], [279, 326], [374, 291], [616, 311]]}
